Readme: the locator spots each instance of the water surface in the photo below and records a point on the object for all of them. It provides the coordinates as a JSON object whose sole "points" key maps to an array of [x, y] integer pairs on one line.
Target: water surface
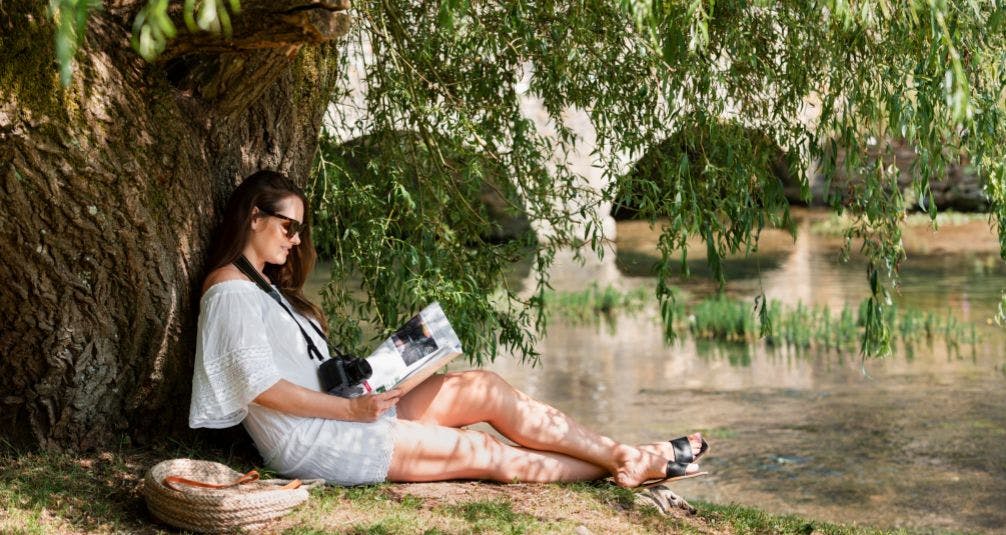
{"points": [[916, 440]]}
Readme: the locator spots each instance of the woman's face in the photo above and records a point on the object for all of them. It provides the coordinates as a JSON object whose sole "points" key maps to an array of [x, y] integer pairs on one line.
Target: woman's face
{"points": [[269, 239]]}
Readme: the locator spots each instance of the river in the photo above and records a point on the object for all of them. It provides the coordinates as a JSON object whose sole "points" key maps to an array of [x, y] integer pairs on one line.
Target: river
{"points": [[916, 440]]}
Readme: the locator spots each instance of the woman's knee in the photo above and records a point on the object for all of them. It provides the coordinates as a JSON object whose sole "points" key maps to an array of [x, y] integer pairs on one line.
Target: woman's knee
{"points": [[482, 449], [477, 380]]}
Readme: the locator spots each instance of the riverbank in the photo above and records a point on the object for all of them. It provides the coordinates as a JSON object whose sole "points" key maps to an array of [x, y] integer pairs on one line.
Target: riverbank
{"points": [[100, 493]]}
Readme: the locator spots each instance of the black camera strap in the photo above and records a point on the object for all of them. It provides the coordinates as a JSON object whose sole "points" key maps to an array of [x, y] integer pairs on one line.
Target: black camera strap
{"points": [[245, 267]]}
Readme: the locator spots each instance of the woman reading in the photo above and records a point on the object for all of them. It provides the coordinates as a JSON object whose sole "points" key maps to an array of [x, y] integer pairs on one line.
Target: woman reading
{"points": [[253, 366]]}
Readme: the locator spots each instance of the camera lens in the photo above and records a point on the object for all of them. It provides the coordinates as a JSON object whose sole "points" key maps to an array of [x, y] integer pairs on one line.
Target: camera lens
{"points": [[358, 370], [341, 373]]}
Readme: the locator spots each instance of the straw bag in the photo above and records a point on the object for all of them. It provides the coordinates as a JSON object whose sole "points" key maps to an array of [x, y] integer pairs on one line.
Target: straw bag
{"points": [[210, 497]]}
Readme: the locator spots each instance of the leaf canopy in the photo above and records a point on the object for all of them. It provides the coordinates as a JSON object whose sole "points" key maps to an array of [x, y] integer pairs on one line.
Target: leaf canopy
{"points": [[444, 99]]}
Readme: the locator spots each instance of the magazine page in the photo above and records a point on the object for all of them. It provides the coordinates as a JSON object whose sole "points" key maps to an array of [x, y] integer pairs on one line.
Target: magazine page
{"points": [[415, 351]]}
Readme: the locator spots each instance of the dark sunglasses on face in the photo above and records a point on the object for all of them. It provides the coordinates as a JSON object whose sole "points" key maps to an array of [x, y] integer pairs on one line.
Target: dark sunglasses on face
{"points": [[290, 225]]}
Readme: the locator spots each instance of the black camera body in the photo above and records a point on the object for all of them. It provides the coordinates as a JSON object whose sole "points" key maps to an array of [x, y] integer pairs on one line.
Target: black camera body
{"points": [[341, 376]]}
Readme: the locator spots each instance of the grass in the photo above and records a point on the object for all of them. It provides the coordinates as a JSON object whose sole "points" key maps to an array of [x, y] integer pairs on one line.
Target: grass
{"points": [[100, 493], [494, 517], [740, 519]]}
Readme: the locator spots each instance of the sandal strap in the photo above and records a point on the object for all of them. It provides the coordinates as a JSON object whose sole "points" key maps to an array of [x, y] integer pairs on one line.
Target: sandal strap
{"points": [[676, 469], [682, 450]]}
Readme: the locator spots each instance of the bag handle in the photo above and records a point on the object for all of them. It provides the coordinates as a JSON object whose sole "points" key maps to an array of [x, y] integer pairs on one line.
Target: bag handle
{"points": [[250, 477]]}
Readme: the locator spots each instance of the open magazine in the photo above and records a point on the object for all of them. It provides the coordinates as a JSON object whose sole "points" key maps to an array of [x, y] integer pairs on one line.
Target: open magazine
{"points": [[410, 355]]}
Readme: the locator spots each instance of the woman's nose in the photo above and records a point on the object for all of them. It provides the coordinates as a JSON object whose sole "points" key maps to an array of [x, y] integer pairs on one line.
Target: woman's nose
{"points": [[296, 239]]}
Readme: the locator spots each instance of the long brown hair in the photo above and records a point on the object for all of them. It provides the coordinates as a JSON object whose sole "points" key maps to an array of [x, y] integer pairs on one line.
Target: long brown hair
{"points": [[266, 190]]}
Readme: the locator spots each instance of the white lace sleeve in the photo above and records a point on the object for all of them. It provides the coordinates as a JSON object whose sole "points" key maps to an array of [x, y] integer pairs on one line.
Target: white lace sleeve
{"points": [[234, 362]]}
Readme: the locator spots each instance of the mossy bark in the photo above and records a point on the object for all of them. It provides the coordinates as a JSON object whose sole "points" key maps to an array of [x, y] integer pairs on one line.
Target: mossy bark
{"points": [[111, 190]]}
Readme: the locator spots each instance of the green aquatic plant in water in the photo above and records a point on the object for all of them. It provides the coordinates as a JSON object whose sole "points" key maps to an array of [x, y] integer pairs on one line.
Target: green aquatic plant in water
{"points": [[804, 327], [594, 304], [836, 224], [721, 318]]}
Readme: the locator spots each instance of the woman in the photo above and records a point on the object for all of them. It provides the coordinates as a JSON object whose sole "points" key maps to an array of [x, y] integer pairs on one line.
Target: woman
{"points": [[253, 367]]}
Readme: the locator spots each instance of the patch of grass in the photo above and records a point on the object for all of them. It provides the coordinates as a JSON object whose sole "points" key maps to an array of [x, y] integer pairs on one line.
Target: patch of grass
{"points": [[411, 502], [742, 520], [370, 501], [606, 493], [78, 493], [23, 522], [388, 525], [66, 493], [365, 493], [46, 492], [301, 530], [493, 517]]}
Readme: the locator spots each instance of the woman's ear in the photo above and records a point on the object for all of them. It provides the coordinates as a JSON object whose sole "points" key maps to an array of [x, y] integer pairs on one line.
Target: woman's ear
{"points": [[256, 219]]}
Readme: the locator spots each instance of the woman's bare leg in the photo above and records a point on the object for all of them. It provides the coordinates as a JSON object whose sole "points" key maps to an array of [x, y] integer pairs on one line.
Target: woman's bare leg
{"points": [[463, 398], [427, 452]]}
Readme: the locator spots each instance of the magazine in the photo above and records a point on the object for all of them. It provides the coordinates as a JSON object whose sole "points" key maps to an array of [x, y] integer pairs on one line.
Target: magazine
{"points": [[410, 355]]}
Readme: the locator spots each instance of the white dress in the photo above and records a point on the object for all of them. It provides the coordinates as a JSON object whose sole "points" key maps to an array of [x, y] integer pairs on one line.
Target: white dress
{"points": [[246, 343]]}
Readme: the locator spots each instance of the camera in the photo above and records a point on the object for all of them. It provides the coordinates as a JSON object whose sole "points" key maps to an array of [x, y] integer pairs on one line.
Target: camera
{"points": [[341, 376]]}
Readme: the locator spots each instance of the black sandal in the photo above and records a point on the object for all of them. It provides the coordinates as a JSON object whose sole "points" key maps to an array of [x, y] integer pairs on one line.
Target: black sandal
{"points": [[674, 472], [683, 456], [683, 450]]}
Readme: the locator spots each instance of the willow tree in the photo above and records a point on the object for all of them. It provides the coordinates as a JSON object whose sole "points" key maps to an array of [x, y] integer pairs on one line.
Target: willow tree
{"points": [[820, 79], [113, 182], [111, 187]]}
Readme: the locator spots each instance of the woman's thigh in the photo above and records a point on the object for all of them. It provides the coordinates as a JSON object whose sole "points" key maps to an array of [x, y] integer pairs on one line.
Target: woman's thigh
{"points": [[425, 452], [454, 399]]}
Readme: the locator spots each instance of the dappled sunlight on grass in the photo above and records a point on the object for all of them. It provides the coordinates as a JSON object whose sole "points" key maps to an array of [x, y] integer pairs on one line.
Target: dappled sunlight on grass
{"points": [[47, 492], [100, 493], [60, 492]]}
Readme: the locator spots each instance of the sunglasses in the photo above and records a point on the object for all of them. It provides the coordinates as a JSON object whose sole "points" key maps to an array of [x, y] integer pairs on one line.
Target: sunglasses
{"points": [[290, 225]]}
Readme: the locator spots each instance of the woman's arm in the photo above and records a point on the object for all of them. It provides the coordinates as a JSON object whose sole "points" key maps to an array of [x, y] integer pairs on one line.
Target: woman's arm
{"points": [[290, 398]]}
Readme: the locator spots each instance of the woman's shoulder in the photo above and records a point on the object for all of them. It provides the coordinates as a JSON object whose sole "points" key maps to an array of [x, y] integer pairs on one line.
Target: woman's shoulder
{"points": [[229, 297], [223, 275]]}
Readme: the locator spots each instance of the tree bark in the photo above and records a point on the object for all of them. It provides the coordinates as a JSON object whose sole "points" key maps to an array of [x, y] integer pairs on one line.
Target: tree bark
{"points": [[111, 190]]}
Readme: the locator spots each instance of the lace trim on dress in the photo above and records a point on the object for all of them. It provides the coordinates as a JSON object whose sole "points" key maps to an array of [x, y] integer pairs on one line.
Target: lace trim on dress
{"points": [[224, 385]]}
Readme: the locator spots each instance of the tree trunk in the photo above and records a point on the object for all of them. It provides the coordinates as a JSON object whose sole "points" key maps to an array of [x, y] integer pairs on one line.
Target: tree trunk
{"points": [[111, 190]]}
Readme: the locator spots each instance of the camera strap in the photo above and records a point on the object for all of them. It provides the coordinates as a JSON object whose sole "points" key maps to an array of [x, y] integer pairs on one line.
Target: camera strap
{"points": [[245, 267]]}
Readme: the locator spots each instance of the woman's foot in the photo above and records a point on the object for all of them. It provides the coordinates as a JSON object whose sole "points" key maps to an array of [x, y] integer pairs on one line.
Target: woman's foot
{"points": [[635, 466], [650, 461]]}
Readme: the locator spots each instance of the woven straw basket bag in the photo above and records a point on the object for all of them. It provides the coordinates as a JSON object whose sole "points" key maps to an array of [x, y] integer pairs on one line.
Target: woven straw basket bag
{"points": [[209, 497]]}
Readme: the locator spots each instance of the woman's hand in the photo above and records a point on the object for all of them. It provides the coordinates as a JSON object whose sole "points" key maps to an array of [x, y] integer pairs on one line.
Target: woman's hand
{"points": [[369, 407], [290, 398]]}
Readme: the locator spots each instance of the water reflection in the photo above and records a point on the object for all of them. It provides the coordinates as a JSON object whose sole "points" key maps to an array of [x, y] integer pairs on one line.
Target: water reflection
{"points": [[914, 440]]}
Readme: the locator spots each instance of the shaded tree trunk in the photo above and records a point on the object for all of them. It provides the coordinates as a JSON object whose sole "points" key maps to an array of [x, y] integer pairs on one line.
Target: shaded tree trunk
{"points": [[111, 189]]}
